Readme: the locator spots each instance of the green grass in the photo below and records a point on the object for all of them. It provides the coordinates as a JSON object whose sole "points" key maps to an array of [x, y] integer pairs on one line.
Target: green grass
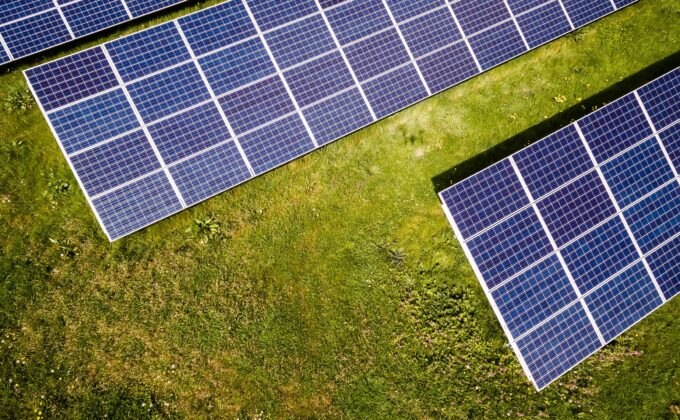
{"points": [[330, 287]]}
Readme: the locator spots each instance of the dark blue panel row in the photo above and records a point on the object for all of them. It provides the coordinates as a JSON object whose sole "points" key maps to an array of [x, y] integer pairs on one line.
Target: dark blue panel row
{"points": [[583, 12], [543, 24], [35, 33], [394, 91], [337, 116], [300, 41], [623, 301], [217, 27], [534, 296], [671, 141], [358, 19], [485, 198], [32, 26], [257, 104], [558, 345], [17, 9], [407, 9], [497, 45], [509, 247], [169, 92]]}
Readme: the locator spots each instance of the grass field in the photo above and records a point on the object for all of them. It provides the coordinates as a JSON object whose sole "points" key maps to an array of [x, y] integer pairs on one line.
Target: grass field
{"points": [[331, 287]]}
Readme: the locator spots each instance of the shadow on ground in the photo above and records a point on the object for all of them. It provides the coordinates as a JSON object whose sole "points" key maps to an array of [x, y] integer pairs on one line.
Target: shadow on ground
{"points": [[513, 144]]}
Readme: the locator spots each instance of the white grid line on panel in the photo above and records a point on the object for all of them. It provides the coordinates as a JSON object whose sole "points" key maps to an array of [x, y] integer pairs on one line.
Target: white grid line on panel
{"points": [[599, 286], [465, 37], [408, 49], [358, 40], [514, 20], [619, 211], [582, 235], [63, 18], [68, 27], [558, 253], [6, 48], [492, 302], [344, 58], [613, 4], [144, 127], [232, 133], [70, 164], [564, 10], [576, 179], [656, 134], [280, 73], [127, 9]]}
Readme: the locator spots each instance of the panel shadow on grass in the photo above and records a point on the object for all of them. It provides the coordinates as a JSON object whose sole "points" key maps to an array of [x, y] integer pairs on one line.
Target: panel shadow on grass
{"points": [[519, 141]]}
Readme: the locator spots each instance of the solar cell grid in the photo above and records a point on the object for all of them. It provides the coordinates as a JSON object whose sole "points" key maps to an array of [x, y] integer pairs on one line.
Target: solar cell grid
{"points": [[254, 72], [31, 26], [615, 226]]}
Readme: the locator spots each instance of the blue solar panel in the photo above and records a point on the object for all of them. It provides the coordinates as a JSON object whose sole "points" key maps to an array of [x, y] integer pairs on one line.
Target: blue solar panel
{"points": [[576, 207], [556, 160], [558, 345], [94, 120], [497, 45], [114, 163], [637, 172], [665, 264], [615, 127], [583, 12], [137, 204], [31, 26], [599, 254], [276, 78], [534, 295], [257, 104], [208, 173], [543, 24], [509, 247], [86, 17], [576, 237], [623, 301], [189, 132]]}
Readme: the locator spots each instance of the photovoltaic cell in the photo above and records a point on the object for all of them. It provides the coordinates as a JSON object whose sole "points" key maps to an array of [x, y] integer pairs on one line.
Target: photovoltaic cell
{"points": [[575, 238], [32, 26], [273, 79]]}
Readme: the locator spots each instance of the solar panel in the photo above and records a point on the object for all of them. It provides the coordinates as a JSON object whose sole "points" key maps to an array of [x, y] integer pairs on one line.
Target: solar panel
{"points": [[30, 26], [271, 80], [577, 237]]}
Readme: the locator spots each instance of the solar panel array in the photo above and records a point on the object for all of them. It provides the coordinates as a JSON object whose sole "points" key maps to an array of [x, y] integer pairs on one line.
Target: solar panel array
{"points": [[577, 237], [159, 120], [31, 26]]}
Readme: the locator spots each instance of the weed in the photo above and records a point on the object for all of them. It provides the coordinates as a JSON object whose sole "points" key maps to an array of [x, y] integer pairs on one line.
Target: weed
{"points": [[19, 100]]}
